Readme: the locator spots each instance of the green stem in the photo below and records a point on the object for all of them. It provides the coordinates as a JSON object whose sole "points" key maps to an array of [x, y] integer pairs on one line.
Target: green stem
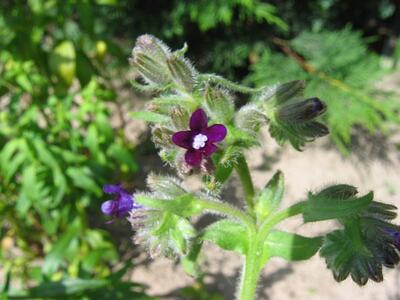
{"points": [[244, 174], [228, 210], [228, 84], [269, 223], [251, 271]]}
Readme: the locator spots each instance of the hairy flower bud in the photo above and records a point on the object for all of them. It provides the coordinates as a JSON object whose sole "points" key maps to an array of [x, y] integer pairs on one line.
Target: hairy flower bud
{"points": [[149, 56], [182, 72], [300, 112], [339, 191]]}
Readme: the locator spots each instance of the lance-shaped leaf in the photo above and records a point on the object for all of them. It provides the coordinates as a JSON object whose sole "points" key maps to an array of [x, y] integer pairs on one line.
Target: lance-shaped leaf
{"points": [[270, 196], [290, 246], [228, 235], [325, 208]]}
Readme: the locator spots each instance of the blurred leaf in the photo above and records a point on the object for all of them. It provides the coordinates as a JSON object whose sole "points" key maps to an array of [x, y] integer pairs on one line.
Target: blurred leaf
{"points": [[56, 255], [82, 178], [62, 61], [149, 116]]}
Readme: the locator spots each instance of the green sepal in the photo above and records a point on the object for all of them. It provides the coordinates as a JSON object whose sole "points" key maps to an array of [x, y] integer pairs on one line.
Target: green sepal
{"points": [[269, 198], [184, 205], [228, 235], [326, 208], [290, 246]]}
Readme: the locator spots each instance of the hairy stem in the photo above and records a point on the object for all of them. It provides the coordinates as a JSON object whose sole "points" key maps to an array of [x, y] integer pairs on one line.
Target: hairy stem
{"points": [[244, 174], [229, 210], [269, 223], [251, 271], [228, 84]]}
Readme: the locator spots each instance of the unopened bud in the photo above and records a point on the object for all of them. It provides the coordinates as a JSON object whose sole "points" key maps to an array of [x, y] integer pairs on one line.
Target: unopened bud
{"points": [[149, 56], [180, 118], [182, 72], [339, 191], [220, 104], [301, 111]]}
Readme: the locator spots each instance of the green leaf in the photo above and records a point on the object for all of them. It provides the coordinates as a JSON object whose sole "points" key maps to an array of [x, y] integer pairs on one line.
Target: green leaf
{"points": [[124, 157], [290, 246], [190, 262], [228, 235], [269, 198], [82, 177], [184, 205], [149, 116], [56, 255], [322, 208]]}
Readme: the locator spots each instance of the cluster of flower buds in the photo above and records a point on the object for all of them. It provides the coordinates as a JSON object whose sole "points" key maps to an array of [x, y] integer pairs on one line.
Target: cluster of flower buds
{"points": [[158, 66]]}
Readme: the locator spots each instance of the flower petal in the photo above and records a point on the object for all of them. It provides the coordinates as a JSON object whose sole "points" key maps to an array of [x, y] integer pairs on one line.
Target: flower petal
{"points": [[183, 139], [215, 133], [198, 120], [112, 188], [193, 157], [209, 149], [108, 207], [125, 204]]}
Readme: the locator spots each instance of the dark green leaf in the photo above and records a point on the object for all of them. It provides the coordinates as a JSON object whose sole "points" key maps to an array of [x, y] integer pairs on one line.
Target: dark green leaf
{"points": [[323, 208]]}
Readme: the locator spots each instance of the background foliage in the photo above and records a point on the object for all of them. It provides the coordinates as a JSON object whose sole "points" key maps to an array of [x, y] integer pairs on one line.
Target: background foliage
{"points": [[58, 60]]}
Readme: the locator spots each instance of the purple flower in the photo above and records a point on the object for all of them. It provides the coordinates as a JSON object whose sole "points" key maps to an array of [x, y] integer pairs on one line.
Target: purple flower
{"points": [[121, 205], [199, 140]]}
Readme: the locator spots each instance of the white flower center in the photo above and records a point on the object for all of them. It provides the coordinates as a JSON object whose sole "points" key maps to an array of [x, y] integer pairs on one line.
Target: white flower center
{"points": [[199, 141]]}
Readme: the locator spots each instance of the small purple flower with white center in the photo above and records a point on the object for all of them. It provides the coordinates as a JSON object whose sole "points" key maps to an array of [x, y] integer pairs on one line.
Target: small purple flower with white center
{"points": [[121, 205], [199, 140]]}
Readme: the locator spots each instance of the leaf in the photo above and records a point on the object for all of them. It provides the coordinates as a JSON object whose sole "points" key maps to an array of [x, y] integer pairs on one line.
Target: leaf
{"points": [[82, 178], [290, 246], [321, 208], [228, 235], [56, 255], [190, 261], [149, 116], [270, 196], [124, 157], [62, 61]]}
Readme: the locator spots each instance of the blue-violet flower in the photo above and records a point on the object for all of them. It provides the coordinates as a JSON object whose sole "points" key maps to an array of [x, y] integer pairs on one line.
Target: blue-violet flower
{"points": [[199, 140], [121, 205]]}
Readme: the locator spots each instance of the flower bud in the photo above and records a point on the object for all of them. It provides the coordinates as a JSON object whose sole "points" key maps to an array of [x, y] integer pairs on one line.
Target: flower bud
{"points": [[180, 118], [301, 111], [219, 104], [149, 56], [339, 191], [182, 72]]}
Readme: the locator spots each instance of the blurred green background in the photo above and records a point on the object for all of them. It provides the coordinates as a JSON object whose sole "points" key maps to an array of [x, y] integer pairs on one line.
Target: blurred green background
{"points": [[63, 68]]}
